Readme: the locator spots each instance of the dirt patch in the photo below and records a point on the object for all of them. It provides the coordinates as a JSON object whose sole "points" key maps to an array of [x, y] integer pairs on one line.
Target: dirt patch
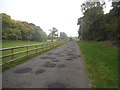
{"points": [[23, 70], [56, 85]]}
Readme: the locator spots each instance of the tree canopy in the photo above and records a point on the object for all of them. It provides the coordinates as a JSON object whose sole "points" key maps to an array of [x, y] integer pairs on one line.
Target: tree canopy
{"points": [[97, 26], [21, 30]]}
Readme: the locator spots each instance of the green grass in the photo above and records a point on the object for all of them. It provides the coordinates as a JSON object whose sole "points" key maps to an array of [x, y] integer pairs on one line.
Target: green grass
{"points": [[6, 44], [21, 60], [101, 63]]}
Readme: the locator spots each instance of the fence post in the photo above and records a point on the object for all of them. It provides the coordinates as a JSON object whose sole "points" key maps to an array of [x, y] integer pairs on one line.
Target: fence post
{"points": [[42, 47], [52, 45], [36, 48], [27, 51], [12, 53]]}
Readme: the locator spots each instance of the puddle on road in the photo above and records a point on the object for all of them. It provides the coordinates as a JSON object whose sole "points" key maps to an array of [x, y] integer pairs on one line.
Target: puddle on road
{"points": [[39, 71], [60, 55], [23, 70], [48, 64], [69, 59], [61, 65], [56, 85], [52, 58], [44, 57], [73, 57], [55, 60]]}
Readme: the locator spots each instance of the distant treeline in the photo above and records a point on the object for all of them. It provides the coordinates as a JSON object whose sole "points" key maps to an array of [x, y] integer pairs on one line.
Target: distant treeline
{"points": [[97, 26], [21, 30]]}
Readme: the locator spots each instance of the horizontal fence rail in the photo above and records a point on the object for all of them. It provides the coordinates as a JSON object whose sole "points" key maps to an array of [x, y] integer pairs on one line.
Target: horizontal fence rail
{"points": [[42, 47]]}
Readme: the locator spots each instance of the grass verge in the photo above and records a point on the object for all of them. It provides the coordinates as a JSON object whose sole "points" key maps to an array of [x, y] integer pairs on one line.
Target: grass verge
{"points": [[101, 62], [6, 44], [22, 60]]}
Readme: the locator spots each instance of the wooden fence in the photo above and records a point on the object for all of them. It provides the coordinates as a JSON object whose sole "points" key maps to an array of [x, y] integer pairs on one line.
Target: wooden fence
{"points": [[43, 47]]}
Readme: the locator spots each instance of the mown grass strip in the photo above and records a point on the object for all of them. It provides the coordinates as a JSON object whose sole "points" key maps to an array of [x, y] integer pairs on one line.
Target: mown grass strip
{"points": [[101, 62]]}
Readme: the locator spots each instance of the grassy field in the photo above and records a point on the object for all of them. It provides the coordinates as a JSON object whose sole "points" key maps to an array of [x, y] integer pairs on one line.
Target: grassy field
{"points": [[101, 62], [6, 44]]}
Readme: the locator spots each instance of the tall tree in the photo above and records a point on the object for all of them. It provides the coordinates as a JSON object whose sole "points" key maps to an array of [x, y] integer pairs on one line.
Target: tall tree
{"points": [[95, 25], [63, 36], [53, 34], [91, 23]]}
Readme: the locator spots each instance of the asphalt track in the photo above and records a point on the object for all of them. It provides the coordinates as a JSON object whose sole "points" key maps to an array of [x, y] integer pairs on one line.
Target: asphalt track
{"points": [[61, 67]]}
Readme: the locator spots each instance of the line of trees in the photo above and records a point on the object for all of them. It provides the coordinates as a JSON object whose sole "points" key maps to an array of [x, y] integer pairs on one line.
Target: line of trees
{"points": [[54, 35], [97, 26], [24, 31], [21, 30]]}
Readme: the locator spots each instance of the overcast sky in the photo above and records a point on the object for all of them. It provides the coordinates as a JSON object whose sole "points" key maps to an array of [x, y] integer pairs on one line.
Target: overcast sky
{"points": [[62, 14]]}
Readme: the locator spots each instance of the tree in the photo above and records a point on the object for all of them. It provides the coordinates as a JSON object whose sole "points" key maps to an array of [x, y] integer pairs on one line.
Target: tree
{"points": [[39, 35], [53, 34], [92, 21], [10, 31], [19, 30], [97, 26], [71, 39], [63, 36]]}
